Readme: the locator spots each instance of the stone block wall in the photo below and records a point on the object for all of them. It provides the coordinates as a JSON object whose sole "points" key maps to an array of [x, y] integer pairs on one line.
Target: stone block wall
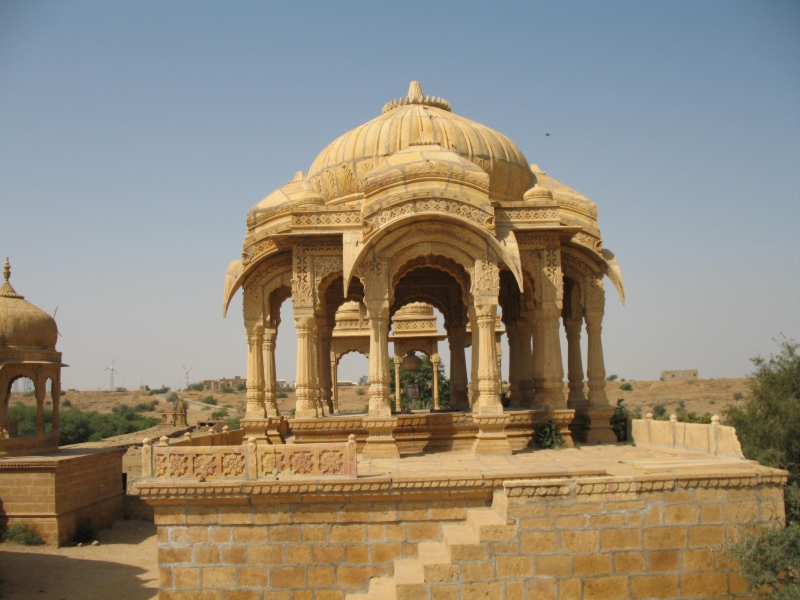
{"points": [[586, 538], [55, 493], [134, 507]]}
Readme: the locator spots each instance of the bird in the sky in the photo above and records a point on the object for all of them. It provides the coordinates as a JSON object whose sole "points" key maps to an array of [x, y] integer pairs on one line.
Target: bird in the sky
{"points": [[547, 134]]}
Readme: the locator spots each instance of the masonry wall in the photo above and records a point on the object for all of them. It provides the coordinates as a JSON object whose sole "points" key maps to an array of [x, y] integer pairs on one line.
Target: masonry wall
{"points": [[56, 493], [591, 538]]}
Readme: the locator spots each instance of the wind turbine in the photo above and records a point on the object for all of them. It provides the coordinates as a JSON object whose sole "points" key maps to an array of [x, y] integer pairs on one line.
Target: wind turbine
{"points": [[55, 312], [111, 368], [187, 374]]}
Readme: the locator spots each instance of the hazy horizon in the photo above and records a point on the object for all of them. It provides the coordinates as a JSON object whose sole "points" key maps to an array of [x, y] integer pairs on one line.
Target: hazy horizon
{"points": [[137, 135]]}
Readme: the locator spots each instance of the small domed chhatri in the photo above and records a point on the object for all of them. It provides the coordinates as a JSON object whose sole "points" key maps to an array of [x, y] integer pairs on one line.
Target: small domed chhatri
{"points": [[28, 338], [22, 323], [421, 209]]}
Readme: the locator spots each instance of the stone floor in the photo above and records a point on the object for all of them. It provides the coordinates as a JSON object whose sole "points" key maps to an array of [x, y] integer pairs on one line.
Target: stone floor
{"points": [[588, 460]]}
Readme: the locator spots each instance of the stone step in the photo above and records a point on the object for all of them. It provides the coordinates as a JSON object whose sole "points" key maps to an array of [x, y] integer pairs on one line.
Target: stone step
{"points": [[462, 543], [435, 561], [409, 581], [380, 588], [489, 526]]}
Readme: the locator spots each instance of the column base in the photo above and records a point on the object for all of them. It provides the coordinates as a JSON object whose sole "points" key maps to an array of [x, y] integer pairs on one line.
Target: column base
{"points": [[597, 424], [270, 430], [305, 414], [380, 443], [491, 438]]}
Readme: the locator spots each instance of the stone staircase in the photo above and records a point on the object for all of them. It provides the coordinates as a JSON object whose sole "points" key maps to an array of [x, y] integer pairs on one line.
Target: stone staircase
{"points": [[438, 562]]}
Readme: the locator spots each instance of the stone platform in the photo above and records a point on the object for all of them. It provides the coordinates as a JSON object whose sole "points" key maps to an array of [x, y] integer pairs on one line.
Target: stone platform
{"points": [[602, 521], [57, 491]]}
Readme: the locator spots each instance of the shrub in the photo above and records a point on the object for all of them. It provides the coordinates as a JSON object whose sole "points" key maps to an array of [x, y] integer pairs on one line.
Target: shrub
{"points": [[162, 390], [619, 422], [196, 387], [66, 404], [222, 412], [546, 435], [738, 396], [226, 389], [363, 380], [146, 406], [121, 389], [637, 412], [626, 387], [771, 560], [659, 411], [281, 394], [234, 423], [85, 532], [23, 533], [360, 392], [611, 378], [241, 387], [209, 400], [28, 394], [63, 393]]}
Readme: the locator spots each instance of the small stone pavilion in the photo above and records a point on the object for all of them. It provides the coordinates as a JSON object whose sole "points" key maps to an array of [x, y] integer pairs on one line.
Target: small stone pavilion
{"points": [[54, 490], [422, 208]]}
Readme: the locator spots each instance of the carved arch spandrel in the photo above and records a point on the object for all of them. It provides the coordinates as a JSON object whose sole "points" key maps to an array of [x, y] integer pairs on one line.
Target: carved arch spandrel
{"points": [[462, 242], [591, 278], [259, 286]]}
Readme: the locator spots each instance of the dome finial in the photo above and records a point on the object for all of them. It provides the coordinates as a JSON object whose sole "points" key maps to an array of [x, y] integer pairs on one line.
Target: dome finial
{"points": [[415, 95], [7, 270], [6, 291]]}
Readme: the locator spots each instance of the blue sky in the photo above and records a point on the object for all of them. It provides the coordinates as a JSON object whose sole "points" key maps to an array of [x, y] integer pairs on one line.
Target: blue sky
{"points": [[135, 136]]}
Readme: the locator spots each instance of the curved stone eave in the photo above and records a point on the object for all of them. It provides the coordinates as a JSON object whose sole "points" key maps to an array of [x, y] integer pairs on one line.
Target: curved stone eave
{"points": [[614, 273], [508, 252]]}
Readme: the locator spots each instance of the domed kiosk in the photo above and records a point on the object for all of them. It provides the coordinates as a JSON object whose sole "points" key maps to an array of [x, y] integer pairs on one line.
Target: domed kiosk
{"points": [[53, 490], [423, 205], [28, 338]]}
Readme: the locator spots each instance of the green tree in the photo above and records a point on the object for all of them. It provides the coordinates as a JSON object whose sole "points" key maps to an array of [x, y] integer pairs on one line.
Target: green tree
{"points": [[424, 379], [767, 424]]}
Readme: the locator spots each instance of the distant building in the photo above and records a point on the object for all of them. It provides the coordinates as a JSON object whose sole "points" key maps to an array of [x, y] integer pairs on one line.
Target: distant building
{"points": [[281, 383], [684, 375], [216, 384], [345, 383], [144, 388]]}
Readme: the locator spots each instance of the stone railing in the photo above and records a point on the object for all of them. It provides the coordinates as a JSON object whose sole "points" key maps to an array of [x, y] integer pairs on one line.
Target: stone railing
{"points": [[210, 438], [183, 460], [714, 439]]}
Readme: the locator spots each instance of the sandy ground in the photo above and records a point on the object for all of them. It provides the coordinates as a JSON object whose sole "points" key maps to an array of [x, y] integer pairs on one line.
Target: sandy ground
{"points": [[123, 567], [700, 396]]}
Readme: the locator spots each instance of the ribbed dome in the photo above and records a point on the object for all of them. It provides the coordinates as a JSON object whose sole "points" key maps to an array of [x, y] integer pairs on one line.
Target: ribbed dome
{"points": [[22, 323], [338, 172]]}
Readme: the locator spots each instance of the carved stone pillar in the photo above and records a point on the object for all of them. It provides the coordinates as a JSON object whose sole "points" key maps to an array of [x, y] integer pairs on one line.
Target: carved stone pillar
{"points": [[459, 399], [40, 392], [597, 368], [526, 359], [270, 385], [551, 393], [379, 422], [473, 379], [315, 376], [305, 405], [324, 331], [435, 366], [488, 409], [55, 396], [398, 403], [255, 373], [334, 383], [514, 362], [576, 396]]}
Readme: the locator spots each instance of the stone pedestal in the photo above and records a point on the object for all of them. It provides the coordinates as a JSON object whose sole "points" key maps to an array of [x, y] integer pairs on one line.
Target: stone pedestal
{"points": [[269, 430], [597, 424], [491, 437], [380, 443]]}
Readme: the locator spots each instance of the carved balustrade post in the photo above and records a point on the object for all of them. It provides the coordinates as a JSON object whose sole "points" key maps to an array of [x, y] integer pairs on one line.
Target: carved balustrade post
{"points": [[488, 409], [459, 399], [574, 363], [435, 365], [398, 403], [270, 385]]}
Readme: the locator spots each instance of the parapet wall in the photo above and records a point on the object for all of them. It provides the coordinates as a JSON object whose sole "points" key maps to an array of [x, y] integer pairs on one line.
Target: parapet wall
{"points": [[714, 439], [425, 536]]}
